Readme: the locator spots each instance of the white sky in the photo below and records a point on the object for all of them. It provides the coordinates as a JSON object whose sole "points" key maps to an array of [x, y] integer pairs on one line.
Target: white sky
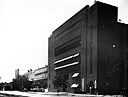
{"points": [[25, 26]]}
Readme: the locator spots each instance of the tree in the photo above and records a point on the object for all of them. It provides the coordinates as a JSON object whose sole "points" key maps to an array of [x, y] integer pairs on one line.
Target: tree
{"points": [[25, 83], [59, 82], [21, 83], [15, 84]]}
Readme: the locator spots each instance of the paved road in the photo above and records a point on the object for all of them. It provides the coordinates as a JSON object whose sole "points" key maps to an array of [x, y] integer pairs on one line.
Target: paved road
{"points": [[47, 94], [1, 95], [11, 95]]}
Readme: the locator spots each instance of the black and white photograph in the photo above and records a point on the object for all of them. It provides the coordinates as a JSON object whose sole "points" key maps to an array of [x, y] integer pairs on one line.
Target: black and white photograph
{"points": [[63, 48]]}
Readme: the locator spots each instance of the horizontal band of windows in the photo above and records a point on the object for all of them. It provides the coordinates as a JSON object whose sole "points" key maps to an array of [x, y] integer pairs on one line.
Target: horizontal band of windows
{"points": [[69, 29], [41, 73], [74, 43], [74, 59], [66, 65], [76, 39], [67, 48], [75, 55], [40, 78]]}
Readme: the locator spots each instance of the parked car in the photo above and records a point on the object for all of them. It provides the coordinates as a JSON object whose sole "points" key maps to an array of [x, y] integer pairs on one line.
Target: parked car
{"points": [[38, 89]]}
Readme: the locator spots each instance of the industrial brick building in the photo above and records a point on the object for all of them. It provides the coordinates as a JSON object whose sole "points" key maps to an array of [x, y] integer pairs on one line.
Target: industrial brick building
{"points": [[90, 51]]}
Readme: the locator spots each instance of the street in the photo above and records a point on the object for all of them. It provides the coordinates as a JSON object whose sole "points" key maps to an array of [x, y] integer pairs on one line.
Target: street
{"points": [[2, 95], [30, 94], [48, 94], [42, 94]]}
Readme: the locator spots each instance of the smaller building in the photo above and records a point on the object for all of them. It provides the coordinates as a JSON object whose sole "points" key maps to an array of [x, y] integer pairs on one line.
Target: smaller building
{"points": [[41, 73], [39, 77], [32, 79]]}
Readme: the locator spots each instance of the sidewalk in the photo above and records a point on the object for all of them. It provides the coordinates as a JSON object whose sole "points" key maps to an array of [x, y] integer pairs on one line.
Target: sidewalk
{"points": [[15, 93], [49, 94]]}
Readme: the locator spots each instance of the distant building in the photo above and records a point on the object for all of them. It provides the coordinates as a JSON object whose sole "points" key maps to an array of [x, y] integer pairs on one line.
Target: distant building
{"points": [[16, 73], [29, 75], [90, 52], [39, 77], [41, 73]]}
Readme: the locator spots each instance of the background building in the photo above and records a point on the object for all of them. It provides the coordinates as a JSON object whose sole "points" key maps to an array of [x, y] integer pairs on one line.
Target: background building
{"points": [[89, 51], [16, 73], [39, 77], [33, 79], [30, 75]]}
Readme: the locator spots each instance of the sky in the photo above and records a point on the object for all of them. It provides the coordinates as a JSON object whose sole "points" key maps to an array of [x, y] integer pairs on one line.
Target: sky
{"points": [[25, 26]]}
